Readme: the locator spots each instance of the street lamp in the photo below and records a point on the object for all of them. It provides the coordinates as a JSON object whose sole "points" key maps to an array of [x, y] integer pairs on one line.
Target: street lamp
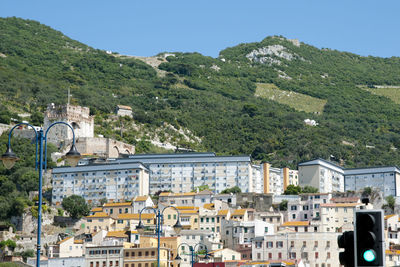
{"points": [[159, 216], [9, 159], [193, 254]]}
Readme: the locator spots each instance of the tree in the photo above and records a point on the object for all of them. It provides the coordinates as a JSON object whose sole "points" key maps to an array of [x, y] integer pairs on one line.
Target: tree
{"points": [[292, 190], [103, 201], [8, 243], [390, 203], [283, 205], [309, 189], [76, 206], [233, 190]]}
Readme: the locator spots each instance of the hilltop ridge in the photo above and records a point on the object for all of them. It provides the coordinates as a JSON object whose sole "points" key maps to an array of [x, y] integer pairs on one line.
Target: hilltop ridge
{"points": [[253, 99]]}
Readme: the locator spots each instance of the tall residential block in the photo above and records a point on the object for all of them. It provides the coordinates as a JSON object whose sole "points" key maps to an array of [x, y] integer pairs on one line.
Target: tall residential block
{"points": [[115, 182]]}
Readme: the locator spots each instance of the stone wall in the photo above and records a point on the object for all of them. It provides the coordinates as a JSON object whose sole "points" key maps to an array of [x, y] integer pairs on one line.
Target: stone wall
{"points": [[104, 147]]}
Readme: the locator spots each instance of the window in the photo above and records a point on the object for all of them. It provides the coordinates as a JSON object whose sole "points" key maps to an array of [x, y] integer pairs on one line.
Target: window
{"points": [[266, 229], [316, 255], [279, 244], [270, 245], [258, 244], [269, 255], [292, 244], [328, 243], [293, 207], [133, 253], [169, 216], [280, 255], [304, 243], [315, 243], [328, 255]]}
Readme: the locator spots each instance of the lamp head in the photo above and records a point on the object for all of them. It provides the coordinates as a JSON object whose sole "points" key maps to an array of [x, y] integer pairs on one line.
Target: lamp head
{"points": [[178, 259], [140, 228], [9, 158], [73, 156], [177, 227]]}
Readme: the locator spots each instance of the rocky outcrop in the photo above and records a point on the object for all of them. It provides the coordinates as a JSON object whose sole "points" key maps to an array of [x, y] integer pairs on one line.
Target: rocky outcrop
{"points": [[270, 54]]}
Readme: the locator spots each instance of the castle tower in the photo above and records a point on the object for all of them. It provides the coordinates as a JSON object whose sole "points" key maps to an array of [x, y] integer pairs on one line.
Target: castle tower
{"points": [[78, 117]]}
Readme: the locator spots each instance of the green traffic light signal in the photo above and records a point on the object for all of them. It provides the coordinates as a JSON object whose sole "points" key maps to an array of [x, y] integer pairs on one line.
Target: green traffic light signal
{"points": [[369, 255]]}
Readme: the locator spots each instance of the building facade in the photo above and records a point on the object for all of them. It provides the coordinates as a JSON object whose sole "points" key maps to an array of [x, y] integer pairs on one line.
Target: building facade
{"points": [[315, 249], [184, 172], [385, 179], [114, 182], [321, 174]]}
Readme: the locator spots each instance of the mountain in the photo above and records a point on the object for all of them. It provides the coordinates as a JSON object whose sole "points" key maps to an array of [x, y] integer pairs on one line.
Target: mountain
{"points": [[253, 99]]}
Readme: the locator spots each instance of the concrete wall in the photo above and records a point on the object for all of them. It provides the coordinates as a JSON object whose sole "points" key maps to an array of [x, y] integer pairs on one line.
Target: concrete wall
{"points": [[309, 175]]}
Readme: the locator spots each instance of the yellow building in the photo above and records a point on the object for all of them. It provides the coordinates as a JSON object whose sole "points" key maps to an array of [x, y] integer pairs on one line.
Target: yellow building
{"points": [[189, 217], [98, 221], [130, 221], [114, 209], [222, 215], [145, 254], [240, 215]]}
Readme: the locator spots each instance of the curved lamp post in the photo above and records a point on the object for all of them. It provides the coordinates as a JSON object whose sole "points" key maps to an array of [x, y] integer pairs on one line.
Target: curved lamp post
{"points": [[9, 159], [193, 254], [159, 215]]}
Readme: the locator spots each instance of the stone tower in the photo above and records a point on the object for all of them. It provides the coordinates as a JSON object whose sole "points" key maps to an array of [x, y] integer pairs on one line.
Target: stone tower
{"points": [[78, 117]]}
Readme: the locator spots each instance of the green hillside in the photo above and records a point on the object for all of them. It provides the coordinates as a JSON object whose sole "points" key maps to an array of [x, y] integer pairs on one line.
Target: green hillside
{"points": [[214, 98]]}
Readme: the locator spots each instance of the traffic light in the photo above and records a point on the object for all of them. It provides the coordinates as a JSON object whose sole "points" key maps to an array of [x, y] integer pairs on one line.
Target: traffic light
{"points": [[346, 241], [369, 239]]}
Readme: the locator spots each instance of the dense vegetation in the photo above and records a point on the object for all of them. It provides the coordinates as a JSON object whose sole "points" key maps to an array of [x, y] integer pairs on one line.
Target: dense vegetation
{"points": [[214, 98], [16, 183]]}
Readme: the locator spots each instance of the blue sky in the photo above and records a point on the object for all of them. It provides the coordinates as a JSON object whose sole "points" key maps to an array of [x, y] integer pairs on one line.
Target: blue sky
{"points": [[145, 28]]}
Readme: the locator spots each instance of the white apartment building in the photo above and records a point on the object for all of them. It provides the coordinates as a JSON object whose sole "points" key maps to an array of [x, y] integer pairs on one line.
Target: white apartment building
{"points": [[321, 174], [115, 182], [385, 179], [257, 179], [308, 207], [184, 172], [315, 249], [335, 216], [329, 177]]}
